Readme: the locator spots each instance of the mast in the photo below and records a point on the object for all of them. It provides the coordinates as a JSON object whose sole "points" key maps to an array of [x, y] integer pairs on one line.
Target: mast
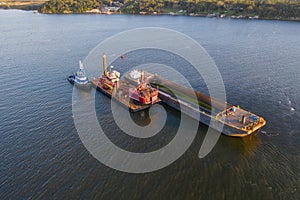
{"points": [[80, 65]]}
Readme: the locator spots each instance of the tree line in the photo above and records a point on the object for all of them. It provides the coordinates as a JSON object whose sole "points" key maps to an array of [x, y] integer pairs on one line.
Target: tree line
{"points": [[285, 9], [74, 6]]}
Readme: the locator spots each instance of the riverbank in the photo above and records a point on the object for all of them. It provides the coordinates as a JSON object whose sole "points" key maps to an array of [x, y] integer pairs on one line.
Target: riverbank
{"points": [[240, 11]]}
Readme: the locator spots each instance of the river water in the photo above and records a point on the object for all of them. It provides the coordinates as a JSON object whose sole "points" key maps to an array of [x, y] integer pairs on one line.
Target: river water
{"points": [[42, 155]]}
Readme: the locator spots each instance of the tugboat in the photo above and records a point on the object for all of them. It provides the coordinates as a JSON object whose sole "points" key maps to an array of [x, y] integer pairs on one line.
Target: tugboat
{"points": [[79, 78]]}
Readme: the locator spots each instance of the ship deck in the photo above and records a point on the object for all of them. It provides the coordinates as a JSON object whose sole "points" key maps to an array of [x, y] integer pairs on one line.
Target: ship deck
{"points": [[232, 116], [123, 99], [240, 119]]}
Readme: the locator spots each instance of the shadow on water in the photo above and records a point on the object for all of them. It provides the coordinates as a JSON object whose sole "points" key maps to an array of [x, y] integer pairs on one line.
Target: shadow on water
{"points": [[230, 151], [141, 118]]}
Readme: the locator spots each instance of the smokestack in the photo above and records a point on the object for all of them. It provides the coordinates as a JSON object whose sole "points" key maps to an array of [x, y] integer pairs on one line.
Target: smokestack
{"points": [[142, 76], [104, 65]]}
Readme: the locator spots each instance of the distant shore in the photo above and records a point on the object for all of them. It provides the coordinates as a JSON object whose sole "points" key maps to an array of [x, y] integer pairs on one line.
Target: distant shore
{"points": [[37, 5]]}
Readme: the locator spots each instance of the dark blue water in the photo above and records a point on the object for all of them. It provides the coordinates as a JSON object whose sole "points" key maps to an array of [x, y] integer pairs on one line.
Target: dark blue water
{"points": [[41, 153]]}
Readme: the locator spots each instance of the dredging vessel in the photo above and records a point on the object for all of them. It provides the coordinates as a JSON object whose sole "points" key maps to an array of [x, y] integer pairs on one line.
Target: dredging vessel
{"points": [[136, 97], [228, 119]]}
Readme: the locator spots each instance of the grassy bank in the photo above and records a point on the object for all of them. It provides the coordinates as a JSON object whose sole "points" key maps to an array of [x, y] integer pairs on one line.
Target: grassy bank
{"points": [[21, 5]]}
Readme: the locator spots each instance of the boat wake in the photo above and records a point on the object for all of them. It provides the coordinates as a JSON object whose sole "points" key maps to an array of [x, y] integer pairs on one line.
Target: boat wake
{"points": [[269, 134]]}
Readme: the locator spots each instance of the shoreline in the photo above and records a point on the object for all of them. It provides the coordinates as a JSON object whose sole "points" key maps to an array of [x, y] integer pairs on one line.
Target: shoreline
{"points": [[34, 7]]}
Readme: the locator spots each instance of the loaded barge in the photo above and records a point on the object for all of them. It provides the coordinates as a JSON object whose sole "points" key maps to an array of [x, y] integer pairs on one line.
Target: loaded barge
{"points": [[228, 119], [139, 90]]}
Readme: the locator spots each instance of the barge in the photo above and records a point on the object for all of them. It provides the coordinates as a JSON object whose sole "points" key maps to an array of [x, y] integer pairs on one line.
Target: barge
{"points": [[228, 119]]}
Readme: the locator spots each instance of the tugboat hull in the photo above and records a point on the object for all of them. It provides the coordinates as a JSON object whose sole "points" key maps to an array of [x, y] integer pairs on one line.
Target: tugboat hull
{"points": [[86, 86]]}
